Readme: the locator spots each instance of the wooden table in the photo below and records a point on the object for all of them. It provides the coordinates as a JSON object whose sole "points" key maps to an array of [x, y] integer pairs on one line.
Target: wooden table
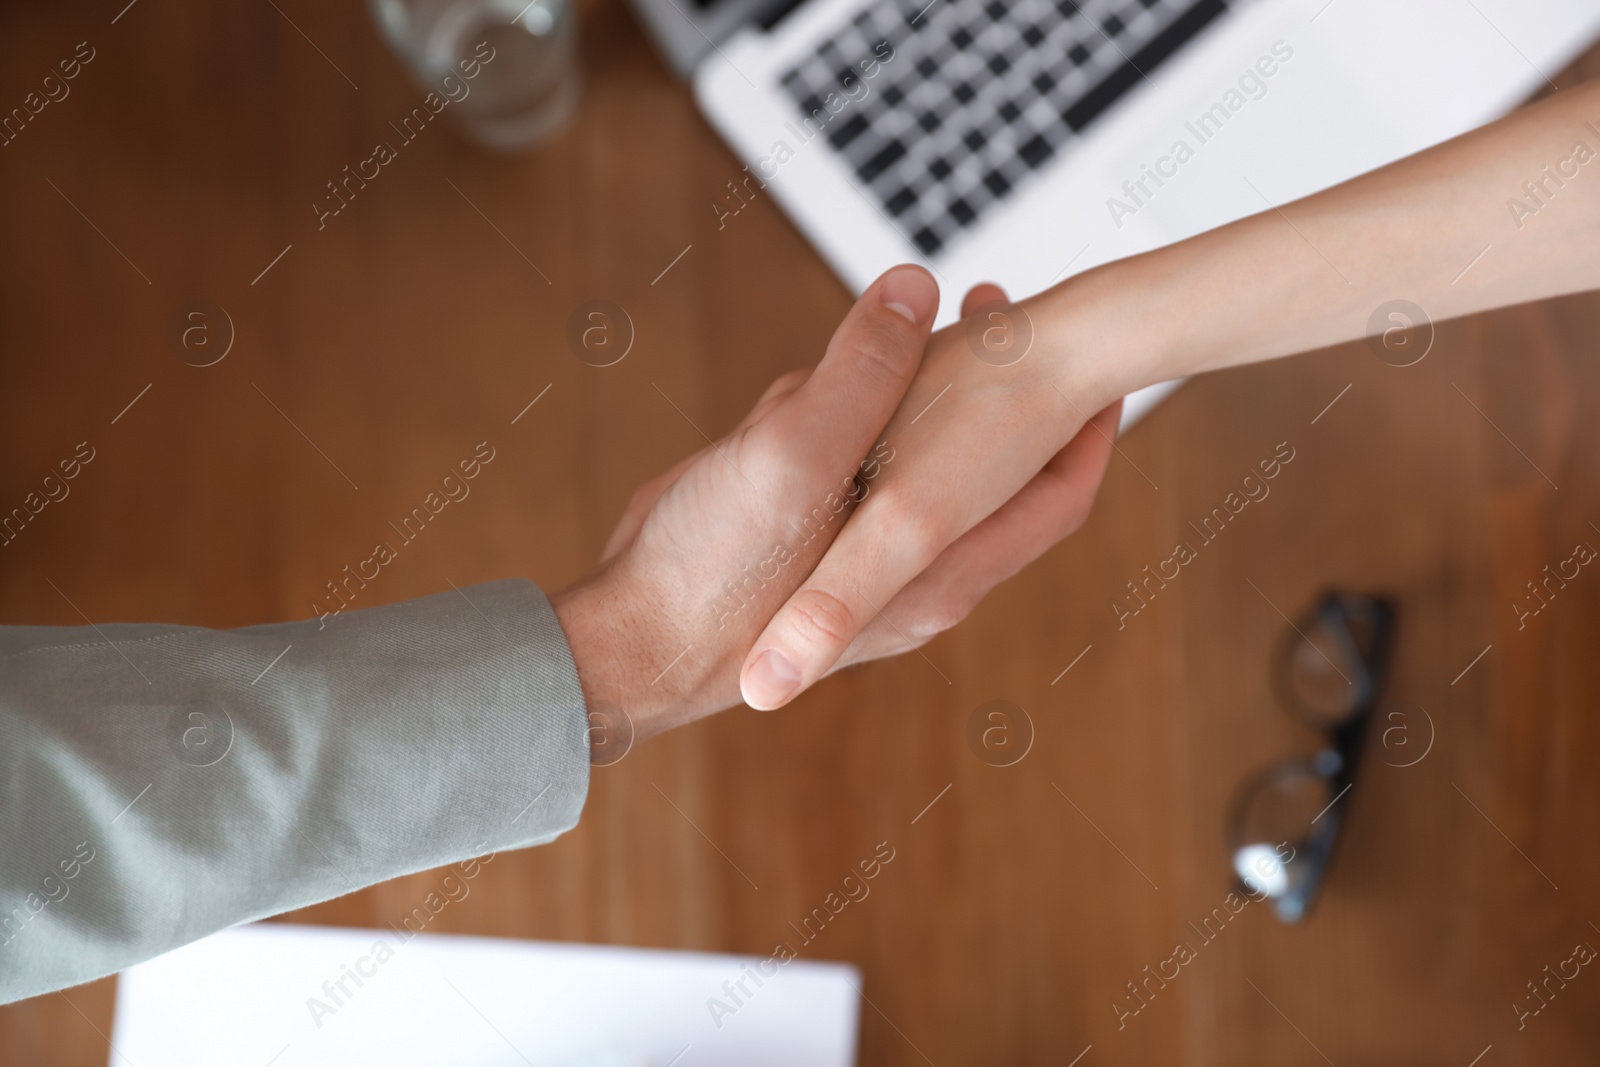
{"points": [[376, 351]]}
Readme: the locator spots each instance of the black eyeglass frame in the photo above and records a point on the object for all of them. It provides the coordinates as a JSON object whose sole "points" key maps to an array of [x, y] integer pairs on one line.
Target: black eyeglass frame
{"points": [[1339, 757]]}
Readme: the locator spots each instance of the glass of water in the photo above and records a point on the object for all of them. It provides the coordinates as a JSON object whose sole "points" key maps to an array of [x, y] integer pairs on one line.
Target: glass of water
{"points": [[507, 69]]}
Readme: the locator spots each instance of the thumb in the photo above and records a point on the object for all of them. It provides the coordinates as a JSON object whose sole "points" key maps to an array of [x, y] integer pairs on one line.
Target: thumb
{"points": [[870, 362], [828, 426]]}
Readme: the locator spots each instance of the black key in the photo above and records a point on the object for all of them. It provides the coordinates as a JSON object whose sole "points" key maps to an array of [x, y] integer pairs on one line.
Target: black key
{"points": [[1078, 54], [1010, 112], [940, 169], [812, 104], [996, 11], [773, 15], [898, 203], [963, 92], [882, 160], [1035, 152], [843, 135], [926, 240], [1112, 25], [929, 121], [1067, 8], [997, 183], [1133, 70], [975, 140], [892, 95], [999, 63], [1044, 82], [1034, 36], [961, 39], [847, 76], [962, 211], [927, 67]]}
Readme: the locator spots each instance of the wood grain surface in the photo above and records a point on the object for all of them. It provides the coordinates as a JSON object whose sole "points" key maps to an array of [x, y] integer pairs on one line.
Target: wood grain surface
{"points": [[377, 350]]}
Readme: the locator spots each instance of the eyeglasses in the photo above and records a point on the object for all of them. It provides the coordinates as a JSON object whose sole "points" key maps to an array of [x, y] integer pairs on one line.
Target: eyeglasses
{"points": [[1327, 673]]}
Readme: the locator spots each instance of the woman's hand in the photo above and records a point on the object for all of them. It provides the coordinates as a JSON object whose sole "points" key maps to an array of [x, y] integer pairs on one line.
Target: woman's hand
{"points": [[974, 491]]}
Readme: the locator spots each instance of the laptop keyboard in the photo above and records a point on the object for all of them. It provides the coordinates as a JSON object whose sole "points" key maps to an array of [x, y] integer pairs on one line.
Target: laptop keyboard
{"points": [[978, 94]]}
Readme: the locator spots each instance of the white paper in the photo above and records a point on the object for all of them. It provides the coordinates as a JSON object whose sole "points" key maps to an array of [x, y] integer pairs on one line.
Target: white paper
{"points": [[296, 996]]}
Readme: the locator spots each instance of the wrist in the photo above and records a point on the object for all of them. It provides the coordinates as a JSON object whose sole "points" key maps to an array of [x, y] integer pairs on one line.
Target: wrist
{"points": [[603, 635], [1104, 332]]}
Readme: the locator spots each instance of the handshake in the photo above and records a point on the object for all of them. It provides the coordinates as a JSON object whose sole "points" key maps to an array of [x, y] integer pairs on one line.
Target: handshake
{"points": [[859, 509], [862, 507]]}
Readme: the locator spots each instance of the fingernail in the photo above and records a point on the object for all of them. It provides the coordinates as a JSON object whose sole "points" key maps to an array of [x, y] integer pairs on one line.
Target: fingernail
{"points": [[771, 680], [912, 293]]}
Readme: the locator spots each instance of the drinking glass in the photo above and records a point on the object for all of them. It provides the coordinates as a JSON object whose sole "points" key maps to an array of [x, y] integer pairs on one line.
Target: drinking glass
{"points": [[525, 89]]}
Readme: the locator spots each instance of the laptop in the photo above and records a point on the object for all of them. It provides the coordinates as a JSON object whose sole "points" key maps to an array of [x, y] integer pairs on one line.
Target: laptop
{"points": [[1022, 142]]}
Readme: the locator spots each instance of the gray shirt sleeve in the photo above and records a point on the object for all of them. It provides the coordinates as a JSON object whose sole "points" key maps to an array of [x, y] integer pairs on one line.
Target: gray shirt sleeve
{"points": [[159, 783]]}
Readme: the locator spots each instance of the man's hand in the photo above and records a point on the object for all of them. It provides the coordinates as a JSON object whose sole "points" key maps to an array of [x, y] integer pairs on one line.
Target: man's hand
{"points": [[993, 465], [706, 553]]}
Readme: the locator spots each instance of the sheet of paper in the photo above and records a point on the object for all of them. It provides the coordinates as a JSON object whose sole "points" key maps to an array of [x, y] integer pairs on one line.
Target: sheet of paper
{"points": [[298, 996]]}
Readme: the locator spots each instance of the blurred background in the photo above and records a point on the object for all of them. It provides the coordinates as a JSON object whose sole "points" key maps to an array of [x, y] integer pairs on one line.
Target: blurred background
{"points": [[372, 349]]}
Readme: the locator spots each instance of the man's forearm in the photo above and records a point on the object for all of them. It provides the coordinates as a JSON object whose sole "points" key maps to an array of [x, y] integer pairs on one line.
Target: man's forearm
{"points": [[164, 782], [1502, 215]]}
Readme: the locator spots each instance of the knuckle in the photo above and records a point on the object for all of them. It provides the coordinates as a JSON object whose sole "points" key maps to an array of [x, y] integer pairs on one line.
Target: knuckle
{"points": [[936, 605], [768, 458], [820, 619], [1074, 518], [884, 349], [788, 383], [782, 386], [910, 631], [641, 499], [648, 491], [936, 619], [909, 530], [1072, 506]]}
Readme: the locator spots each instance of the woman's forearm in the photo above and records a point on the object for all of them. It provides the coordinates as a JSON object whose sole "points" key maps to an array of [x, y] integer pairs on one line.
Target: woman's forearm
{"points": [[984, 483], [1502, 215]]}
